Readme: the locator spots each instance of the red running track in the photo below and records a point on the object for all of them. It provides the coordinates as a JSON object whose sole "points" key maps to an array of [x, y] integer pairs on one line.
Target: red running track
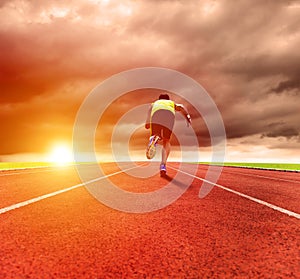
{"points": [[224, 235]]}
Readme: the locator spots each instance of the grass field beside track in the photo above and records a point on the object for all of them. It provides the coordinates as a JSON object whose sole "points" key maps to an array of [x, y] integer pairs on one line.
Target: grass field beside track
{"points": [[274, 166], [22, 165], [28, 165], [277, 166]]}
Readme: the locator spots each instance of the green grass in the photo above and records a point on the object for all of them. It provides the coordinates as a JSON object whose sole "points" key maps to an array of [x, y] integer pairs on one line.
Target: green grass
{"points": [[21, 165], [279, 166]]}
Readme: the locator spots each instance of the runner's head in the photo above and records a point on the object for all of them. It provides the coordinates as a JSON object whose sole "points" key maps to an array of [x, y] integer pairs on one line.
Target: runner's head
{"points": [[164, 97]]}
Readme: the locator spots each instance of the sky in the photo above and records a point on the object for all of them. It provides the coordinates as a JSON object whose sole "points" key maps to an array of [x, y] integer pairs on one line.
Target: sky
{"points": [[244, 53]]}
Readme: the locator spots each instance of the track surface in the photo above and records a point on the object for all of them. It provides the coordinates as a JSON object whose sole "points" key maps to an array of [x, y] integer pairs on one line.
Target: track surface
{"points": [[224, 235]]}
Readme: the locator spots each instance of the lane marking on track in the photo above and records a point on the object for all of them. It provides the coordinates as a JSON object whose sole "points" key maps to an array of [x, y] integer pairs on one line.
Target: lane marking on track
{"points": [[33, 200], [261, 176], [275, 207]]}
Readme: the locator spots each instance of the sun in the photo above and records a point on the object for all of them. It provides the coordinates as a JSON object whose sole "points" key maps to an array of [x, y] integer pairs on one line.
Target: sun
{"points": [[61, 154]]}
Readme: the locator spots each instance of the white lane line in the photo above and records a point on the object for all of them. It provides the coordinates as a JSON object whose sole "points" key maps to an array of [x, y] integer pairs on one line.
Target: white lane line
{"points": [[275, 207], [33, 200]]}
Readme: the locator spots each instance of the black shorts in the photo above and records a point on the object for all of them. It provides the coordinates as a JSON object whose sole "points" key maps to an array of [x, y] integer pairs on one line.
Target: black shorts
{"points": [[162, 122]]}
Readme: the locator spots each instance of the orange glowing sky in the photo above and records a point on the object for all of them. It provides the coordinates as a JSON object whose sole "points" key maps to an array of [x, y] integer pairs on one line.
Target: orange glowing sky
{"points": [[245, 54]]}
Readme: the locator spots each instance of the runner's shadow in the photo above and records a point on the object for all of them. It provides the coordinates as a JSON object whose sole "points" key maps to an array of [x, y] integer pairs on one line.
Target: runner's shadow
{"points": [[174, 181]]}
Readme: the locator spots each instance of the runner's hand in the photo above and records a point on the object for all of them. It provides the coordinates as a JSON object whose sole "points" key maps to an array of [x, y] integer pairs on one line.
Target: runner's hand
{"points": [[189, 120], [147, 126]]}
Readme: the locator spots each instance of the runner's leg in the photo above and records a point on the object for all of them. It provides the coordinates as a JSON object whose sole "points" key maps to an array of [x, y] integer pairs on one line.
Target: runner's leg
{"points": [[165, 151], [162, 123]]}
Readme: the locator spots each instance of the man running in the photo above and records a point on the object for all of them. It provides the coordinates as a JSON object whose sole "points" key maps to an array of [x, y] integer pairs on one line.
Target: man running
{"points": [[160, 120]]}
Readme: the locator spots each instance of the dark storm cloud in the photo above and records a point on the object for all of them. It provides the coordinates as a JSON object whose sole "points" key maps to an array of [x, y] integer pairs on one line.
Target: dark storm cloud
{"points": [[281, 129], [284, 132], [240, 51], [42, 58], [287, 85]]}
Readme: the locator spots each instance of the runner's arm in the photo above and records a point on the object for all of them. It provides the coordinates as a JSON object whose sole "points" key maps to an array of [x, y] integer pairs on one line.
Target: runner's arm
{"points": [[184, 112], [147, 124]]}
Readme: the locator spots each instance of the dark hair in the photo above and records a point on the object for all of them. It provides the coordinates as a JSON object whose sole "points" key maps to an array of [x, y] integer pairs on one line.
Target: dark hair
{"points": [[164, 97]]}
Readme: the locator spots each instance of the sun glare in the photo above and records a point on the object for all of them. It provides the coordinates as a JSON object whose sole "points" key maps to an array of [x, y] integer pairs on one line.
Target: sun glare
{"points": [[61, 155]]}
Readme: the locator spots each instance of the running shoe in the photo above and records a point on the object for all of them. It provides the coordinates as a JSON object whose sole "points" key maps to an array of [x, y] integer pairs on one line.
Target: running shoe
{"points": [[151, 148], [163, 170]]}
